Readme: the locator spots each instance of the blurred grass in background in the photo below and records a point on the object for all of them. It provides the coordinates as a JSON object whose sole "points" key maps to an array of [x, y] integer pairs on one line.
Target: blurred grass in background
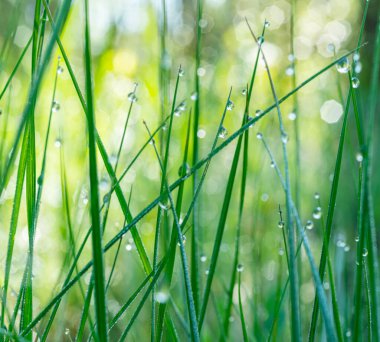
{"points": [[125, 41]]}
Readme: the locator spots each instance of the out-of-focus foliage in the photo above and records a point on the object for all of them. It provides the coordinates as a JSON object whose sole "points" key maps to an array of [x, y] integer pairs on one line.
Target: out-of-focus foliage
{"points": [[126, 49]]}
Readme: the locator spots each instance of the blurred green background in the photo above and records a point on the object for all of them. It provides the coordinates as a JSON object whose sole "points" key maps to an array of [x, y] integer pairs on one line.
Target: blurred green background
{"points": [[126, 49]]}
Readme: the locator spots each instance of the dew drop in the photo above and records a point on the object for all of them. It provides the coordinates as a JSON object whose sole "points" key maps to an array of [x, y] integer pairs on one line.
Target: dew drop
{"points": [[59, 70], [347, 248], [356, 56], [230, 105], [67, 331], [355, 82], [331, 47], [164, 204], [201, 72], [309, 224], [281, 251], [365, 252], [207, 272], [272, 164], [180, 108], [317, 213], [184, 170], [240, 268], [250, 118], [201, 133], [266, 23], [55, 106], [58, 143], [358, 67], [340, 243], [258, 112], [260, 40], [222, 132], [203, 258], [292, 116], [357, 239], [291, 58], [194, 96], [359, 157], [161, 296], [281, 224], [183, 240], [244, 92], [343, 65], [284, 138], [181, 72], [128, 247], [106, 198], [132, 97], [289, 71], [317, 196], [85, 199], [259, 136]]}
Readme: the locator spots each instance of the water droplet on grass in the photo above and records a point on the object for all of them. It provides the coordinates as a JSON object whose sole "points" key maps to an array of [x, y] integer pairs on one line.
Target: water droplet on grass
{"points": [[59, 70], [244, 92], [260, 40], [266, 23], [184, 170], [230, 105], [355, 82], [309, 224], [343, 65], [289, 71], [132, 97], [222, 132], [359, 157], [203, 258], [161, 296], [365, 252], [58, 143], [201, 133], [240, 268], [340, 243], [356, 56], [317, 196], [259, 136], [164, 204], [194, 96], [56, 106], [281, 224], [183, 240], [181, 72], [317, 213], [292, 116], [284, 138]]}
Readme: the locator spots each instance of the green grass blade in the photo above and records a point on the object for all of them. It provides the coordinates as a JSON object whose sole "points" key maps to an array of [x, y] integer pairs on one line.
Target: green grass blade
{"points": [[241, 311], [97, 249], [195, 235]]}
